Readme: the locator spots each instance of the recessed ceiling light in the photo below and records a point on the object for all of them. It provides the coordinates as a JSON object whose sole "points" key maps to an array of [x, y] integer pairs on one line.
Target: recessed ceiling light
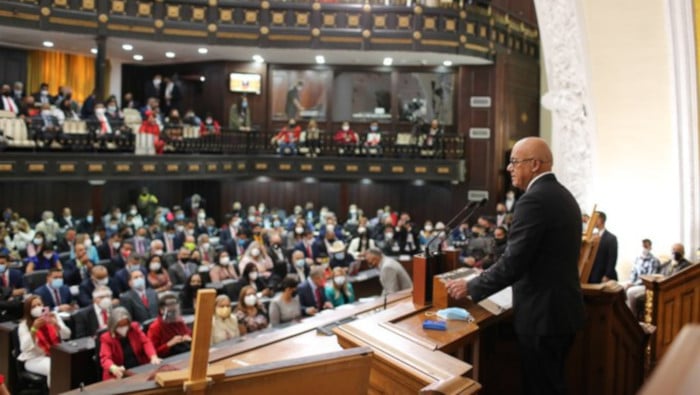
{"points": [[127, 47], [203, 51], [320, 59], [388, 61], [138, 57], [202, 78], [48, 44], [258, 59], [94, 51], [170, 54], [447, 63]]}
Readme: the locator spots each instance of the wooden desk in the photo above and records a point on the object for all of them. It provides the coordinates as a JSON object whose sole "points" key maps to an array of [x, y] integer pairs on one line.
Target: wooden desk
{"points": [[7, 363], [72, 364], [366, 283]]}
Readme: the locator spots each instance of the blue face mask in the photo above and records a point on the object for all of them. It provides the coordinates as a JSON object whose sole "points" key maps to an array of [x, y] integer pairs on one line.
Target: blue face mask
{"points": [[56, 283], [180, 217], [138, 284], [300, 263], [340, 256], [454, 313], [89, 219], [373, 128], [3, 268], [241, 242]]}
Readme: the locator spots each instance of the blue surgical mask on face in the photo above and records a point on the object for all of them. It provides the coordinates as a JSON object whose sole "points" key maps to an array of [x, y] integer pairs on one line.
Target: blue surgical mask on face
{"points": [[340, 256], [56, 283], [3, 268], [89, 219], [139, 284]]}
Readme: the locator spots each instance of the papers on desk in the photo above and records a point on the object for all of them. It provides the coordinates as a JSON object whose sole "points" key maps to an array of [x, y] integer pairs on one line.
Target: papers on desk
{"points": [[498, 302]]}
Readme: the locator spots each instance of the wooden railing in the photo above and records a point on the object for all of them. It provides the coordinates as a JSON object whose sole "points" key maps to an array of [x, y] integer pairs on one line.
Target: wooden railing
{"points": [[671, 303], [679, 372]]}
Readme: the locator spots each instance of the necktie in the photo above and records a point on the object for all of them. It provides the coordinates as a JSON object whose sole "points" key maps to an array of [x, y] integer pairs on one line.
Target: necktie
{"points": [[10, 105], [308, 250], [318, 297], [4, 280], [169, 244], [104, 318], [144, 299], [103, 126], [57, 297]]}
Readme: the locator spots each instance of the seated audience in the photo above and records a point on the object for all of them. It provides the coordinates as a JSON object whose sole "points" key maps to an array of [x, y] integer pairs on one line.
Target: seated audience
{"points": [[189, 293], [40, 330], [23, 236], [392, 275], [11, 290], [224, 324], [48, 129], [158, 277], [169, 334], [54, 294], [90, 319], [286, 139], [183, 268], [99, 276], [251, 277], [47, 259], [301, 267], [346, 140], [360, 244], [677, 262], [209, 126], [256, 254], [389, 244], [312, 296], [150, 126], [311, 138], [645, 264], [373, 143], [124, 346], [75, 270], [338, 290], [139, 301], [338, 256], [224, 269], [432, 140], [122, 277], [285, 307], [250, 313]]}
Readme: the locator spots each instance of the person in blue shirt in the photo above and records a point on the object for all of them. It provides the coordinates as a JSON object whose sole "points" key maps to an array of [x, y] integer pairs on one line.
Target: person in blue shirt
{"points": [[338, 289]]}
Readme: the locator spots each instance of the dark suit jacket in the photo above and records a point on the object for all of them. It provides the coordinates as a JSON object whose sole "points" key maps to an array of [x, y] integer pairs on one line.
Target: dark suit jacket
{"points": [[87, 287], [16, 278], [2, 104], [541, 262], [177, 273], [71, 273], [131, 301], [123, 276], [306, 296], [46, 295], [605, 259], [86, 323]]}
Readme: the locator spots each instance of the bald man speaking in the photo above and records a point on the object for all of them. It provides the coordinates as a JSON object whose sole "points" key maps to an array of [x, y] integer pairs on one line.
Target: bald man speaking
{"points": [[540, 262]]}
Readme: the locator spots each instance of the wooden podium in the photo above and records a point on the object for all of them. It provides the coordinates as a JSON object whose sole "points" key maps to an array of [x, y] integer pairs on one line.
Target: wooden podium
{"points": [[426, 268]]}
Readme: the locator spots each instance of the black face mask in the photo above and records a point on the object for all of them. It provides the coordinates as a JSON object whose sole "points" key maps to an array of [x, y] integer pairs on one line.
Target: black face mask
{"points": [[475, 234], [294, 293], [500, 241], [677, 256], [6, 94]]}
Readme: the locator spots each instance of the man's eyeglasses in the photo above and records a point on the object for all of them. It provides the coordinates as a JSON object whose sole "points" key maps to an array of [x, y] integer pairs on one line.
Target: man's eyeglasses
{"points": [[515, 162]]}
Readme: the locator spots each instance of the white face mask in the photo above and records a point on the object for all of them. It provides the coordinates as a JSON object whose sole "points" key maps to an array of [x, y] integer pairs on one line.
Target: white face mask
{"points": [[103, 281], [253, 276], [298, 230], [158, 252], [36, 311], [224, 261], [255, 252], [122, 330], [105, 303], [340, 280], [155, 266], [38, 241], [87, 243], [206, 246], [250, 300], [346, 128]]}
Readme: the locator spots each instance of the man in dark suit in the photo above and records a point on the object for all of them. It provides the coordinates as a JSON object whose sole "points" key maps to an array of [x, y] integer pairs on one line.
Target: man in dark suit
{"points": [[54, 294], [183, 268], [11, 291], [123, 275], [139, 301], [94, 317], [98, 277], [7, 102], [606, 258], [311, 293], [541, 263]]}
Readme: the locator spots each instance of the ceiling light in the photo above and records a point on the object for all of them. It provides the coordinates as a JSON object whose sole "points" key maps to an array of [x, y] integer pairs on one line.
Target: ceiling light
{"points": [[94, 51], [258, 59], [388, 61], [203, 51], [170, 54], [202, 78], [447, 63], [127, 47], [320, 59], [48, 44], [138, 57]]}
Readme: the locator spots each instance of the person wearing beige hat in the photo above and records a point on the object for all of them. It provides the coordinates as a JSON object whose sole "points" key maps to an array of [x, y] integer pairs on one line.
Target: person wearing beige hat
{"points": [[339, 257]]}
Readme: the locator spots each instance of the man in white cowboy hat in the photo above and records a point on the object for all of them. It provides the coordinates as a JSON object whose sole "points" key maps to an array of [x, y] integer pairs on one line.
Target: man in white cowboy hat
{"points": [[338, 255]]}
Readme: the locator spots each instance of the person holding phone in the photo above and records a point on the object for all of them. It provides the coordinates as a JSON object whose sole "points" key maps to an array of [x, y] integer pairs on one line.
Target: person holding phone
{"points": [[169, 334], [39, 330]]}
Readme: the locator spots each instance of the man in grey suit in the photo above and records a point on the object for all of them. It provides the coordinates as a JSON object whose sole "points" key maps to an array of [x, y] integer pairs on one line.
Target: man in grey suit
{"points": [[541, 262], [141, 302], [392, 275], [182, 269]]}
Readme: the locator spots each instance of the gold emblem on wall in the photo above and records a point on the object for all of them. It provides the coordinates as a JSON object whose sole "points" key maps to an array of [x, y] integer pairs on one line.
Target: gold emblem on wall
{"points": [[366, 34], [354, 20], [225, 15], [315, 32], [264, 30], [523, 117], [60, 3], [265, 5], [45, 11], [430, 23], [198, 13], [251, 17], [145, 9], [328, 20], [6, 167], [302, 19], [88, 5], [417, 35], [316, 6], [404, 22], [450, 25], [118, 6], [278, 17], [379, 21], [103, 18], [173, 11], [212, 3], [212, 28]]}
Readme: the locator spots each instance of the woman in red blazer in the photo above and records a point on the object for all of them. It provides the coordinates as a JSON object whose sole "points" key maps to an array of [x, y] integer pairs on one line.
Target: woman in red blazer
{"points": [[124, 346], [168, 333]]}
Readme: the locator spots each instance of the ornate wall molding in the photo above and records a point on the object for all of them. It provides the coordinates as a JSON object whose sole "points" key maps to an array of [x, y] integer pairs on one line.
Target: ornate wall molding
{"points": [[568, 96]]}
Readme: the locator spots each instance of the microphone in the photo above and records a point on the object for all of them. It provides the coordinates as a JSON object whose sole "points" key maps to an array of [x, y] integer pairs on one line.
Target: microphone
{"points": [[469, 205]]}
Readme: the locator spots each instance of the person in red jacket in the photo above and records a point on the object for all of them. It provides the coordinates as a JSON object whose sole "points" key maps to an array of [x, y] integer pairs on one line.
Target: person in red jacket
{"points": [[124, 346], [286, 139], [346, 139], [168, 332], [150, 126], [209, 126]]}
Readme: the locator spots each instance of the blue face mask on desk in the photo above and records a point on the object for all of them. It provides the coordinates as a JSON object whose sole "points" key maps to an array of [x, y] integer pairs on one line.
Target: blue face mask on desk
{"points": [[454, 313]]}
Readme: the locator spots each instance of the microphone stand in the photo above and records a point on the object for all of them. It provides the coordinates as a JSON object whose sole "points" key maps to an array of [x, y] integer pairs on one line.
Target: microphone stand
{"points": [[473, 205], [447, 226]]}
